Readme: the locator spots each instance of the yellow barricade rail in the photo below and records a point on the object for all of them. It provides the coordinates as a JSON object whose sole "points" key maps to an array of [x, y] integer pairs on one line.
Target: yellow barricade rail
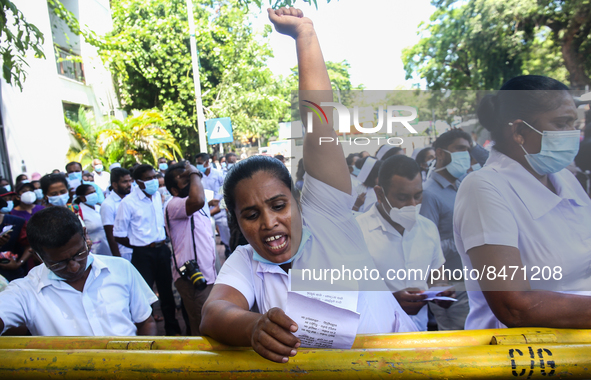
{"points": [[478, 354]]}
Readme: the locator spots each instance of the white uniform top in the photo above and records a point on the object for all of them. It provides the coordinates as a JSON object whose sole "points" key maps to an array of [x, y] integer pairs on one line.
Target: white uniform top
{"points": [[140, 218], [336, 240], [103, 179], [503, 204], [370, 198], [95, 230], [108, 213], [114, 298], [418, 249]]}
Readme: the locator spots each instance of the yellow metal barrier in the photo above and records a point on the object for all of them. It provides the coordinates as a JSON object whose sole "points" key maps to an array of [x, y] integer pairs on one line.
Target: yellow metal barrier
{"points": [[481, 354]]}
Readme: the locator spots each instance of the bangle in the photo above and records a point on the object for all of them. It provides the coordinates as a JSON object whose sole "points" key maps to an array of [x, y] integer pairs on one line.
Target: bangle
{"points": [[198, 173]]}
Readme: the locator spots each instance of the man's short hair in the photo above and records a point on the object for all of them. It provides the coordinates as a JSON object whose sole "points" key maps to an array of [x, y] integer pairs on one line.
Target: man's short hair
{"points": [[230, 154], [52, 227], [117, 174], [170, 177], [446, 139], [140, 170], [203, 156], [399, 165], [49, 179], [73, 163]]}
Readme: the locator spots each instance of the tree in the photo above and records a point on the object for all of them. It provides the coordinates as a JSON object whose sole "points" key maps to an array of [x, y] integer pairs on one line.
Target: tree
{"points": [[16, 41], [480, 44], [149, 55], [140, 138], [83, 128]]}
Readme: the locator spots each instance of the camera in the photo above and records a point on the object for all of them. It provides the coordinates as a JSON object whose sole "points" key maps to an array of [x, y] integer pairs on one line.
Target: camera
{"points": [[190, 271]]}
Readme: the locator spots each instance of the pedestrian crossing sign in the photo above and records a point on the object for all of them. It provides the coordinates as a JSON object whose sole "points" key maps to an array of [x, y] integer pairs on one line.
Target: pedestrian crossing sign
{"points": [[219, 130]]}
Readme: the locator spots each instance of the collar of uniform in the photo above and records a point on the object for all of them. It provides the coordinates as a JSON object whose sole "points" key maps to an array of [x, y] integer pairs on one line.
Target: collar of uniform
{"points": [[376, 220], [266, 268], [444, 182], [536, 197], [140, 194], [115, 196], [95, 269]]}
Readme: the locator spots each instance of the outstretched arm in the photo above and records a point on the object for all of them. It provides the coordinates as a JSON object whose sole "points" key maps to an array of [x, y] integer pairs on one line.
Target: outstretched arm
{"points": [[324, 162]]}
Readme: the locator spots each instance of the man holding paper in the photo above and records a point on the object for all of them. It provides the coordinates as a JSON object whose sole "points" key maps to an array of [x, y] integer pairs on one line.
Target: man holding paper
{"points": [[403, 244]]}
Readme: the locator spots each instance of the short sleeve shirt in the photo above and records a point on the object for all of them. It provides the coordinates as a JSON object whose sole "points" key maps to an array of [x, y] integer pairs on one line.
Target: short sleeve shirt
{"points": [[115, 297], [503, 204]]}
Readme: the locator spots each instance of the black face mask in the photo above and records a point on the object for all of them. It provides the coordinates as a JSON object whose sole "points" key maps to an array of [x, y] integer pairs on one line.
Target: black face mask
{"points": [[184, 192]]}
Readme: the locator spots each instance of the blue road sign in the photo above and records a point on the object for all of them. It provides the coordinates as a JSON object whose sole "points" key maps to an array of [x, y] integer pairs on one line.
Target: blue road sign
{"points": [[219, 130]]}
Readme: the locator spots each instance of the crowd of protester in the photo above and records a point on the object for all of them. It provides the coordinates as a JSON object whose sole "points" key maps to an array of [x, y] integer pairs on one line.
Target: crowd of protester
{"points": [[110, 236]]}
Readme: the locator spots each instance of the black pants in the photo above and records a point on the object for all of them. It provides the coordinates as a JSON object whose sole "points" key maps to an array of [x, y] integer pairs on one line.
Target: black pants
{"points": [[154, 265]]}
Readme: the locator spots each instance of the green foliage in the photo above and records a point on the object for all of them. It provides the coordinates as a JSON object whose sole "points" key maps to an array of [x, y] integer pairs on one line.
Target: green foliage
{"points": [[140, 138], [149, 56], [85, 132], [279, 3], [480, 44], [18, 37]]}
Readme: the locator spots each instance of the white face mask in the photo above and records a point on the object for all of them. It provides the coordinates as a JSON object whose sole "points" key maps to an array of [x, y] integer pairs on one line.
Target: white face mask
{"points": [[406, 216], [28, 197]]}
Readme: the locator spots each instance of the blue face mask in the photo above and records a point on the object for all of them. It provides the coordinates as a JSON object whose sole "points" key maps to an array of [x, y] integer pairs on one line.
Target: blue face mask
{"points": [[25, 181], [38, 193], [98, 168], [459, 165], [163, 166], [356, 171], [92, 199], [201, 168], [559, 149], [305, 236], [151, 186], [59, 200], [476, 167], [223, 165], [8, 208], [53, 276], [75, 176], [8, 188]]}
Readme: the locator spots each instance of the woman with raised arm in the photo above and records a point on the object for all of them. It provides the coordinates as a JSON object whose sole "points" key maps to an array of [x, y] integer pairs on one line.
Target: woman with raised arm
{"points": [[261, 199], [523, 218]]}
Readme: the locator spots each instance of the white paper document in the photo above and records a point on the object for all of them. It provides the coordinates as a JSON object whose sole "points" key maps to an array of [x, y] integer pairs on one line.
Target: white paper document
{"points": [[320, 324], [344, 300], [434, 291]]}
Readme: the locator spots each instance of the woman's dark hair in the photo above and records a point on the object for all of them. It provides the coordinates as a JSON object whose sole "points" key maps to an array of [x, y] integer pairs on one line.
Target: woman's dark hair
{"points": [[391, 152], [370, 181], [246, 169], [301, 170], [81, 192], [521, 97], [49, 179], [422, 155], [52, 227], [20, 177]]}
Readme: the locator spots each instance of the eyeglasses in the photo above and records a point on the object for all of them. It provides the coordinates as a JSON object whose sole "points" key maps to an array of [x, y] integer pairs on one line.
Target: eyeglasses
{"points": [[61, 265]]}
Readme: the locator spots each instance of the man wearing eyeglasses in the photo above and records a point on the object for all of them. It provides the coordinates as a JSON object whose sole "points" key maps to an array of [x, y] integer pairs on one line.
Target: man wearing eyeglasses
{"points": [[75, 293]]}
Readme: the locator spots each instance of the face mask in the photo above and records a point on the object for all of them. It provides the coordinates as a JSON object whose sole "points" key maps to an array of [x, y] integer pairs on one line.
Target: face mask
{"points": [[406, 216], [28, 197], [223, 165], [476, 167], [459, 165], [559, 149], [163, 166], [430, 162], [8, 188], [356, 171], [98, 168], [201, 168], [151, 186], [92, 199], [75, 176], [230, 166], [53, 276], [8, 208], [59, 200], [305, 236], [39, 194], [25, 181], [184, 192]]}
